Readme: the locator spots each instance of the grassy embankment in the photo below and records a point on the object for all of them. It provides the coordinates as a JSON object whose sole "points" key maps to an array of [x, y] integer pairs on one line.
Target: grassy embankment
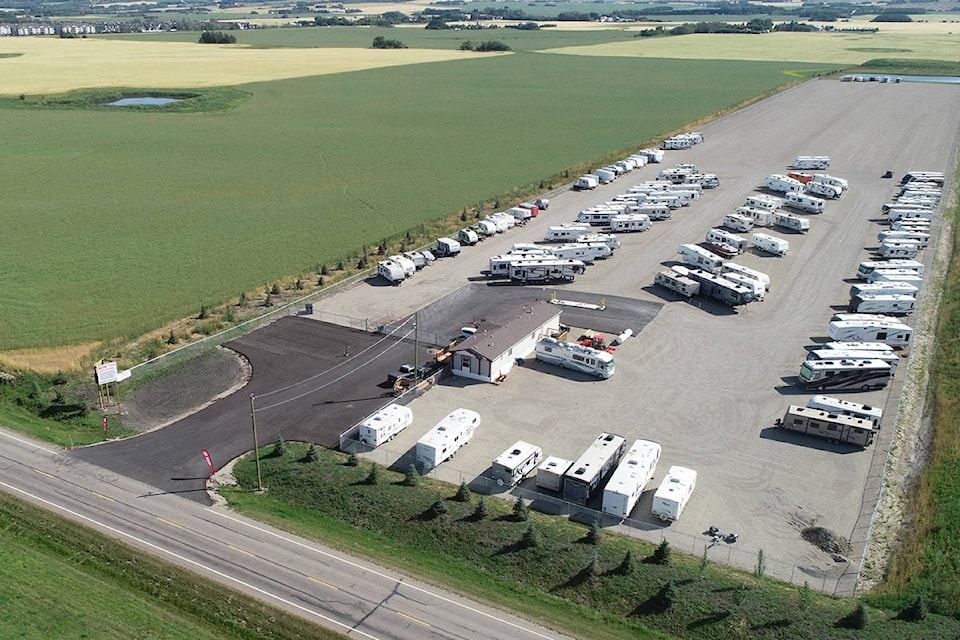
{"points": [[561, 576], [62, 580]]}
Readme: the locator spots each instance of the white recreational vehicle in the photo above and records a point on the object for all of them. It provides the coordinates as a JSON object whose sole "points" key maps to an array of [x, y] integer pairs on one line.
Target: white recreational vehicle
{"points": [[921, 237], [588, 181], [597, 216], [700, 258], [757, 287], [869, 266], [791, 221], [770, 244], [605, 176], [546, 270], [630, 478], [760, 276], [409, 266], [844, 375], [550, 473], [937, 177], [565, 232], [811, 162], [823, 189], [606, 238], [909, 214], [847, 408], [738, 222], [879, 288], [720, 236], [889, 303], [674, 492], [570, 355], [511, 466], [887, 355], [896, 275], [719, 288], [586, 474], [783, 184], [677, 282], [830, 426], [585, 251], [391, 271], [898, 249], [447, 247], [831, 180], [763, 201], [760, 217], [895, 335], [803, 202], [858, 346], [447, 436], [626, 222], [385, 424]]}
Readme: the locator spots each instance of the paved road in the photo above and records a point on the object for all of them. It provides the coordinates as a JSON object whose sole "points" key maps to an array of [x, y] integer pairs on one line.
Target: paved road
{"points": [[321, 584]]}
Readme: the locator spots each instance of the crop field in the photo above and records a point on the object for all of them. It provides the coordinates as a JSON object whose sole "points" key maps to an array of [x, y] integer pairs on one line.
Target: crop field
{"points": [[822, 48], [126, 220]]}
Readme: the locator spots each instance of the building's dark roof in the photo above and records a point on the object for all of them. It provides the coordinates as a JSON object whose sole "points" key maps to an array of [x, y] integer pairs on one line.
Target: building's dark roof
{"points": [[493, 343]]}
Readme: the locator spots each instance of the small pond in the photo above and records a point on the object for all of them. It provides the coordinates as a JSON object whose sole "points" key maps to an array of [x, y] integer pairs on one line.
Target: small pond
{"points": [[151, 101]]}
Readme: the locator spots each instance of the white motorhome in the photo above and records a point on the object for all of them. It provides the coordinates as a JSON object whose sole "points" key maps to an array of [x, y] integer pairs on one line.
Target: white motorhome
{"points": [[738, 222], [588, 181], [512, 466], [383, 425], [565, 232], [831, 180], [676, 282], [770, 244], [630, 478], [803, 202], [674, 492], [823, 189], [895, 335], [760, 217], [844, 375], [627, 222], [868, 266], [830, 426], [811, 162], [888, 356], [391, 271], [550, 473], [898, 249], [446, 437], [889, 303], [791, 221], [759, 276], [921, 237], [763, 201], [783, 184], [719, 236], [700, 258], [570, 355], [594, 466], [847, 408]]}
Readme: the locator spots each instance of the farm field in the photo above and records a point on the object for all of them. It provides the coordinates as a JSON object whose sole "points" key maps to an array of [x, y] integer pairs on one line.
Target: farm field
{"points": [[127, 220]]}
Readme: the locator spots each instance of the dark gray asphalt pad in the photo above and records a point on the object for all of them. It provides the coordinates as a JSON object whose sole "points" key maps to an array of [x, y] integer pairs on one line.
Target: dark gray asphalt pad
{"points": [[314, 380]]}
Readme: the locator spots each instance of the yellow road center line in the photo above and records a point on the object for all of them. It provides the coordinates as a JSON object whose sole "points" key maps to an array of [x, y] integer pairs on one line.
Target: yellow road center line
{"points": [[326, 584], [241, 550], [413, 619], [100, 495], [44, 473], [172, 524]]}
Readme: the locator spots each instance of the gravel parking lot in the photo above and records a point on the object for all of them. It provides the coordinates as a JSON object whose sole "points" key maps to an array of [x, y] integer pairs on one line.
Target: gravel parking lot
{"points": [[705, 382]]}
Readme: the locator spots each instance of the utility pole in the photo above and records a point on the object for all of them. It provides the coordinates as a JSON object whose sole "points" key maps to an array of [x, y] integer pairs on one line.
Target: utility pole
{"points": [[256, 445]]}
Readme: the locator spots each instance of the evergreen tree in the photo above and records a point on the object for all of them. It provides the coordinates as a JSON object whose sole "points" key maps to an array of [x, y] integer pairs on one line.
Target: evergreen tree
{"points": [[463, 493], [521, 512], [411, 478]]}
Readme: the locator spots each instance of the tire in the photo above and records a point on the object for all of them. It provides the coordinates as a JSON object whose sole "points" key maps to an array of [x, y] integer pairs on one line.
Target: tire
{"points": [[865, 387], [499, 482], [664, 518]]}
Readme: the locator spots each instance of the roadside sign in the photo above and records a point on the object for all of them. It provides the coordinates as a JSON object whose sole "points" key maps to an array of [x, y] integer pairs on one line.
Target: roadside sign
{"points": [[106, 372]]}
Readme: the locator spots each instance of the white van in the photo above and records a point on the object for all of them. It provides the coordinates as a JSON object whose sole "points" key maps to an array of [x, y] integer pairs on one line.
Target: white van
{"points": [[770, 244]]}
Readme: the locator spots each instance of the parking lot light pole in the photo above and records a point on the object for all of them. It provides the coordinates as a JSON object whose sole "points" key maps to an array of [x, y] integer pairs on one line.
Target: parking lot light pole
{"points": [[256, 445]]}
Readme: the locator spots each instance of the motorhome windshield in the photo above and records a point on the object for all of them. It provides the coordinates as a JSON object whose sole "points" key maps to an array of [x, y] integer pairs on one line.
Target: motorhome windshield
{"points": [[806, 373]]}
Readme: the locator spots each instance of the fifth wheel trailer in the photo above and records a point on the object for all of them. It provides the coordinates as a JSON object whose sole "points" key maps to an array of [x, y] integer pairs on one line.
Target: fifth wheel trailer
{"points": [[847, 408], [630, 479], [721, 289], [588, 472], [830, 426], [447, 436]]}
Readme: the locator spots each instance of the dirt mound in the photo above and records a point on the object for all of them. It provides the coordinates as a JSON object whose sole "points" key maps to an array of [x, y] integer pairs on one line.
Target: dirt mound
{"points": [[826, 540]]}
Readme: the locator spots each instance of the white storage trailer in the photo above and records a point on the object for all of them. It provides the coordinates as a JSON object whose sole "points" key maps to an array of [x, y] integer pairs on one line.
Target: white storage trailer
{"points": [[720, 236], [446, 437], [674, 493], [627, 222], [811, 162], [719, 288], [763, 201], [896, 275], [565, 233], [823, 189], [550, 473], [391, 271], [738, 222], [888, 356], [546, 270], [588, 181], [588, 472], [899, 249], [630, 479], [847, 408], [760, 276], [383, 425], [511, 466], [875, 288]]}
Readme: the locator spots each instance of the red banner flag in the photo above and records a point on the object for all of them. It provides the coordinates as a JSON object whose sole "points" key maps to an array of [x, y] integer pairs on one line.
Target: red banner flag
{"points": [[206, 456]]}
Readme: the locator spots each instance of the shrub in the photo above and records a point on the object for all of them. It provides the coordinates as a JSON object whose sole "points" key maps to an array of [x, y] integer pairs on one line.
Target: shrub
{"points": [[521, 511], [491, 45], [915, 611], [383, 43], [628, 565], [275, 289], [374, 476], [481, 511], [280, 449], [353, 460], [594, 533], [463, 492], [217, 37], [411, 478], [437, 509]]}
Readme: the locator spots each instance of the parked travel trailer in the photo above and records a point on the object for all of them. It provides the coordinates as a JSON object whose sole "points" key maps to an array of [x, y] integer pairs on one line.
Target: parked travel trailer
{"points": [[678, 283], [653, 211], [823, 189], [512, 466], [700, 258], [909, 214], [936, 177], [546, 270], [468, 237], [844, 375], [889, 303], [409, 266], [831, 180], [791, 221], [915, 226], [868, 266], [833, 427], [811, 162], [500, 265], [896, 275], [522, 214], [719, 288], [895, 335], [653, 155], [565, 233], [847, 408], [595, 465], [674, 493], [803, 202], [883, 288], [391, 271], [719, 236], [484, 228], [570, 355], [905, 205], [447, 247], [630, 478], [760, 276], [903, 249], [533, 208], [770, 244], [589, 181], [783, 184], [889, 356], [744, 280], [597, 217], [607, 238], [763, 201], [605, 176], [858, 346], [385, 424], [760, 217], [587, 252], [627, 222], [550, 473], [498, 222], [921, 237], [738, 222], [446, 437]]}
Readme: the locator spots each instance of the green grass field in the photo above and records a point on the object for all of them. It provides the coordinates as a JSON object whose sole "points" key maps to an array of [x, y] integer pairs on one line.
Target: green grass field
{"points": [[120, 222]]}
